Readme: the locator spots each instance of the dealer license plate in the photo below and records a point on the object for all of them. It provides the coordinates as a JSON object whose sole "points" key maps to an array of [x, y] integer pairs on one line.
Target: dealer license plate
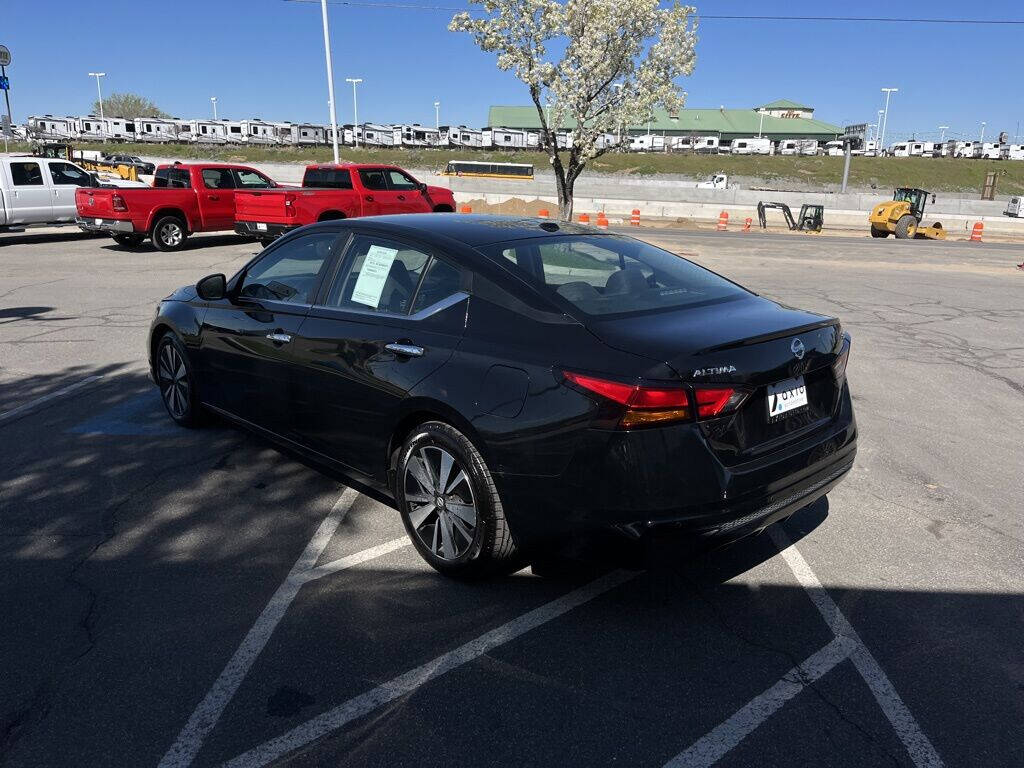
{"points": [[786, 396], [261, 227]]}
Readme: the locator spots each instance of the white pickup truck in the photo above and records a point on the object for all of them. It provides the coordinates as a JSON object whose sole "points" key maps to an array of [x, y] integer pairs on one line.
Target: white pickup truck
{"points": [[39, 190]]}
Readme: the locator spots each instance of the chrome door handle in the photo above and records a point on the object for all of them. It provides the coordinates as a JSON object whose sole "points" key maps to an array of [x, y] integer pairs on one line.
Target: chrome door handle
{"points": [[280, 338], [405, 350]]}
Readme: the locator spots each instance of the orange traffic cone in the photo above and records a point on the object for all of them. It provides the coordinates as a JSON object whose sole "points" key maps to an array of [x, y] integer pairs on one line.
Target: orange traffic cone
{"points": [[746, 224], [723, 221], [584, 218], [465, 209], [602, 221], [976, 232], [634, 219], [543, 213]]}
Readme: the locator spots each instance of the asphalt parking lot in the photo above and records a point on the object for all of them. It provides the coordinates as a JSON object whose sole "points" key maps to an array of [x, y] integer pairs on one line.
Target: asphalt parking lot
{"points": [[174, 597]]}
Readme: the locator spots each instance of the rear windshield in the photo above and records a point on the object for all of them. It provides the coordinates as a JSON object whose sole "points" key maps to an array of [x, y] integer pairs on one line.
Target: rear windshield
{"points": [[612, 275], [328, 178]]}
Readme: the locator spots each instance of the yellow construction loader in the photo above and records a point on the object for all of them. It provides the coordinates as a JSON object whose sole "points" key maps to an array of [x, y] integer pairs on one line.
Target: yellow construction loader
{"points": [[902, 216]]}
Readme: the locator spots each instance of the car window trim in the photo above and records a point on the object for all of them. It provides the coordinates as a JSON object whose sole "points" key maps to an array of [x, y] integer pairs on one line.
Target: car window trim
{"points": [[239, 279]]}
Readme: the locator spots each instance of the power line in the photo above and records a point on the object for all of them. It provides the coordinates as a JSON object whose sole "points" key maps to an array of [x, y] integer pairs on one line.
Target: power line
{"points": [[700, 16]]}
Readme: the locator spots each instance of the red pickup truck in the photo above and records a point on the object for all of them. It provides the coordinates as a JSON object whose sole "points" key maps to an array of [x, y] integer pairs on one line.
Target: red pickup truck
{"points": [[183, 199], [340, 191]]}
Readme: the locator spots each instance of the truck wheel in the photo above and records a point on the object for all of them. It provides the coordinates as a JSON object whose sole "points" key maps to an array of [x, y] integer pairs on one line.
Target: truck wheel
{"points": [[128, 241], [906, 227], [879, 232], [168, 233]]}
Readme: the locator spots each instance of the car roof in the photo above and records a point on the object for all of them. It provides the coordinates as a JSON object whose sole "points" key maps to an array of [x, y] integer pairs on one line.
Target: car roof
{"points": [[471, 229]]}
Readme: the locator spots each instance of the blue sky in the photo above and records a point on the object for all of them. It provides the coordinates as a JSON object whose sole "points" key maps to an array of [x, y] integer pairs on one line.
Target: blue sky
{"points": [[264, 58]]}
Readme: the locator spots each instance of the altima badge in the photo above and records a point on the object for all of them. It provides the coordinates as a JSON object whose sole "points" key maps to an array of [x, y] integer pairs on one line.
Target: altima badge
{"points": [[797, 347], [715, 371]]}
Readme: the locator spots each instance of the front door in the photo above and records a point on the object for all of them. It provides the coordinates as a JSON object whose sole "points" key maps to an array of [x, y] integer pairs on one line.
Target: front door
{"points": [[408, 197], [378, 199], [392, 316], [247, 345], [217, 199], [31, 197], [66, 179]]}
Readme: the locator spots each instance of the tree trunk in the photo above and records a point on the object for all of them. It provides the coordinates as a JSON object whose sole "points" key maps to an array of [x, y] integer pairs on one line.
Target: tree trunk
{"points": [[564, 197]]}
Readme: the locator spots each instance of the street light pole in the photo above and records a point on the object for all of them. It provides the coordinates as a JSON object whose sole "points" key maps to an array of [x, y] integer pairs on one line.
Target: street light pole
{"points": [[885, 122], [942, 136], [330, 75], [99, 94], [982, 139], [437, 115], [760, 123], [355, 108], [213, 100]]}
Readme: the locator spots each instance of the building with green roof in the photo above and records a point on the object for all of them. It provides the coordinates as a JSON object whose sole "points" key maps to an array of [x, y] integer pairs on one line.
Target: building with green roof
{"points": [[726, 124]]}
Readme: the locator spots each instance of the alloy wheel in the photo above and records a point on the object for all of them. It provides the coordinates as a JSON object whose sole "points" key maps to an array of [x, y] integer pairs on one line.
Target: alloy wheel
{"points": [[173, 376], [171, 234], [442, 507]]}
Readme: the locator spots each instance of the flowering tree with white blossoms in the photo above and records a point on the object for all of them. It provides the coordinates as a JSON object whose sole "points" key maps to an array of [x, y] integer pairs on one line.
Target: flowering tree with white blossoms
{"points": [[619, 60]]}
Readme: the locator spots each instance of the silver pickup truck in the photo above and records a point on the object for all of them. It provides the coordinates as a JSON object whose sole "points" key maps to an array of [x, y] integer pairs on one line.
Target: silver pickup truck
{"points": [[39, 190]]}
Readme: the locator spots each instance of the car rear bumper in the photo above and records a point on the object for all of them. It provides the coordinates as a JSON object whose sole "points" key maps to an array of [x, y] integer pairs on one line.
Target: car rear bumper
{"points": [[117, 226], [262, 229], [669, 479]]}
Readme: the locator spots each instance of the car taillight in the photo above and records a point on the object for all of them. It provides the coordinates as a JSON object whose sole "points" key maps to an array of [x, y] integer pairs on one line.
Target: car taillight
{"points": [[839, 364], [717, 401], [117, 202], [289, 204], [644, 405]]}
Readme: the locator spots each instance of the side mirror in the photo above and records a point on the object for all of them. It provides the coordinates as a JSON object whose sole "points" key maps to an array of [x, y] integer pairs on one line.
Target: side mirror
{"points": [[212, 287], [423, 187], [933, 199], [95, 179]]}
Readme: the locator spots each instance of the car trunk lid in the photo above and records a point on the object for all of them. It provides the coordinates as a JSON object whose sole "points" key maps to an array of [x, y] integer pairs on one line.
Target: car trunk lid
{"points": [[93, 202]]}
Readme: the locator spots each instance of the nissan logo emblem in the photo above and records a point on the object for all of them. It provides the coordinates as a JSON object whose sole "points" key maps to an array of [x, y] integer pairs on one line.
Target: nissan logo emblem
{"points": [[797, 347]]}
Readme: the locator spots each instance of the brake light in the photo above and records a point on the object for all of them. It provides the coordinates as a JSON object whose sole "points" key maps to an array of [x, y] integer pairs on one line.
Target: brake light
{"points": [[644, 405], [117, 203], [717, 401], [839, 364]]}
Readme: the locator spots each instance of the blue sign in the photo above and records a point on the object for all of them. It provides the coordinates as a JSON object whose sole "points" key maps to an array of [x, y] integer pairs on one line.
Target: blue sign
{"points": [[5, 83]]}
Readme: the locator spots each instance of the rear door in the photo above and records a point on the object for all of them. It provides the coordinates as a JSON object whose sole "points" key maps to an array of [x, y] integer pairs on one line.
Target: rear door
{"points": [[393, 314], [247, 345], [378, 198], [30, 199], [408, 198], [66, 178], [217, 198]]}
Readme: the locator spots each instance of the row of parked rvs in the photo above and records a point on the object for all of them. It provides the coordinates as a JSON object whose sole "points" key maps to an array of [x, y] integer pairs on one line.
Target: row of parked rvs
{"points": [[972, 149]]}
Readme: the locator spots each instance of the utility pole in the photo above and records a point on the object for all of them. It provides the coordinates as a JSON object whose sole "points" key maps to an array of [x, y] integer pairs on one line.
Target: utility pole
{"points": [[330, 76], [885, 122], [213, 100], [437, 115], [5, 61], [982, 139], [760, 123], [355, 108], [942, 136], [99, 94]]}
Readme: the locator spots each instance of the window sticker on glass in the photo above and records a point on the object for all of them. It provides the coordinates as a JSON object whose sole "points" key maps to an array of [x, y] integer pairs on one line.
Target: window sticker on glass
{"points": [[373, 275]]}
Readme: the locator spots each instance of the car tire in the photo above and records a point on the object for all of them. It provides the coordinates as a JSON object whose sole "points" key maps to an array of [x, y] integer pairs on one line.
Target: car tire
{"points": [[176, 380], [128, 241], [906, 227], [875, 232], [461, 529], [168, 233]]}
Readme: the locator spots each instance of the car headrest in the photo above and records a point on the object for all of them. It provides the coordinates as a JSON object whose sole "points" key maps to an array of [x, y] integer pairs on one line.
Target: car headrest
{"points": [[628, 280]]}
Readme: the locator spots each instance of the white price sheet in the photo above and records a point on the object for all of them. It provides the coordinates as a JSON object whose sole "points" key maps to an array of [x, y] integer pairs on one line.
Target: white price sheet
{"points": [[373, 275]]}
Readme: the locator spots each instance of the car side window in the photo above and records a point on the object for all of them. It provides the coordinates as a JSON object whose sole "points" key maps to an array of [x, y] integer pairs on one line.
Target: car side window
{"points": [[290, 272], [440, 281], [398, 181], [379, 275], [218, 178], [26, 175], [373, 178], [248, 179], [179, 178], [66, 173]]}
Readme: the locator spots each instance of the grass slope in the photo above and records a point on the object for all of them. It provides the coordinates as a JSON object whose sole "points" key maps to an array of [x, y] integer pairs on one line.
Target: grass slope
{"points": [[933, 174]]}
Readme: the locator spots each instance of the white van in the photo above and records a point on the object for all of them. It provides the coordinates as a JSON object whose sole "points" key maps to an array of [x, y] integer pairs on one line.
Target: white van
{"points": [[759, 146], [1012, 152], [39, 190]]}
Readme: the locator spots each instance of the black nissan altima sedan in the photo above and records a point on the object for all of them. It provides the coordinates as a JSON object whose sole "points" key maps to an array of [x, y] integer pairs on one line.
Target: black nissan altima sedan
{"points": [[510, 382]]}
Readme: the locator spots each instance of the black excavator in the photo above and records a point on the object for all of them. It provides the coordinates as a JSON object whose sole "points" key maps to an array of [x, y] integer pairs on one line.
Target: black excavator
{"points": [[812, 217]]}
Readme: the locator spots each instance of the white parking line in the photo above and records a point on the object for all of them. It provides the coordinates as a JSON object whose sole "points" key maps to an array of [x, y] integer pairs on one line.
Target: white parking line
{"points": [[47, 397], [206, 715], [406, 683], [918, 746], [709, 749]]}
